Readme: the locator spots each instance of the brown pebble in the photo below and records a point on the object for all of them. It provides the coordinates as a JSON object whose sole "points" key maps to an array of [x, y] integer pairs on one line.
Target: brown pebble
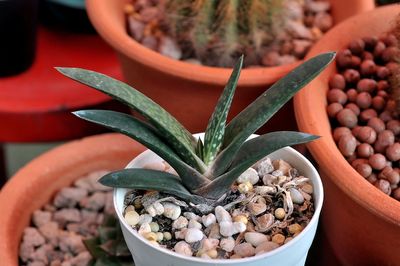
{"points": [[365, 150], [364, 169], [351, 76], [355, 61], [347, 145], [367, 55], [377, 161], [377, 124], [379, 48], [368, 67], [393, 152], [337, 95], [372, 178], [366, 134], [390, 175], [352, 95], [385, 116], [385, 138], [359, 161], [394, 126], [390, 54], [396, 193], [353, 107], [333, 109], [339, 132], [347, 118], [382, 72], [367, 85], [337, 81], [382, 86], [370, 42], [367, 114], [383, 185], [357, 46], [344, 58], [390, 40], [364, 100], [378, 103]]}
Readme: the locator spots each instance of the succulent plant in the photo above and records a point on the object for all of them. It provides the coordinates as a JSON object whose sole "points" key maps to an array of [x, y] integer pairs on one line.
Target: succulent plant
{"points": [[109, 247], [206, 169], [226, 28]]}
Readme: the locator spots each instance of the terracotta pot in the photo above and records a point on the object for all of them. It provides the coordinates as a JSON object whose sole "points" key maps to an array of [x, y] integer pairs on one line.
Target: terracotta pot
{"points": [[293, 253], [185, 89], [361, 223], [35, 184]]}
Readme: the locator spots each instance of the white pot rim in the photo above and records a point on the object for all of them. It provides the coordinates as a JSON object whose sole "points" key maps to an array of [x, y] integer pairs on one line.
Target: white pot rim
{"points": [[317, 210]]}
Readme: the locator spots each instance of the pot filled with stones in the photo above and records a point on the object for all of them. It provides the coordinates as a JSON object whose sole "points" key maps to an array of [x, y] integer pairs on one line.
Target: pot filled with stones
{"points": [[210, 200], [189, 46], [355, 109]]}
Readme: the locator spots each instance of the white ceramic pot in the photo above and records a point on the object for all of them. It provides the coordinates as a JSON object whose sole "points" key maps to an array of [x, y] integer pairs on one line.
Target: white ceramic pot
{"points": [[290, 254]]}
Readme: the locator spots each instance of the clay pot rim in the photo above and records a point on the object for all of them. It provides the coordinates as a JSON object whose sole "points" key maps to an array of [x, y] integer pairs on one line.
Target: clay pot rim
{"points": [[308, 104]]}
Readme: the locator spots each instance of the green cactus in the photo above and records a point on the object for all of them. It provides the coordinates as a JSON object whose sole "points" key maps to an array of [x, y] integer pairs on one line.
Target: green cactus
{"points": [[206, 171], [225, 28]]}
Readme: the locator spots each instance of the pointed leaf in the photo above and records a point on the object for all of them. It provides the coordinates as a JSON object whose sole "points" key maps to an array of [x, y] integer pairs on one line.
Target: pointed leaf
{"points": [[170, 129], [252, 151], [141, 132], [200, 149], [214, 135], [264, 107], [146, 179], [93, 246]]}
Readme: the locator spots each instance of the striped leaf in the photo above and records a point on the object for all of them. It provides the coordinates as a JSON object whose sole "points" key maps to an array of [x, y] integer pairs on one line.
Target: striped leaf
{"points": [[264, 107], [170, 129], [146, 135], [252, 151], [214, 135]]}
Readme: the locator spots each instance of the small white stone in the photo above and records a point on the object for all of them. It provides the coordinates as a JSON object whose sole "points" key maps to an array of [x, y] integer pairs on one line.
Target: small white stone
{"points": [[296, 196], [250, 175], [208, 219], [144, 228], [239, 227], [263, 190], [160, 236], [154, 226], [132, 218], [158, 207], [151, 211], [255, 238], [145, 219], [270, 180], [183, 248], [191, 215], [264, 167], [194, 224], [307, 188], [180, 223], [171, 210], [193, 235], [209, 244], [222, 215], [227, 244], [226, 228]]}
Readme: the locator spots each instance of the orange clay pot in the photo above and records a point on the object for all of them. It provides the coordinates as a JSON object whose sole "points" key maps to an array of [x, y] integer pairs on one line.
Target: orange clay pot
{"points": [[188, 90], [35, 184], [361, 223]]}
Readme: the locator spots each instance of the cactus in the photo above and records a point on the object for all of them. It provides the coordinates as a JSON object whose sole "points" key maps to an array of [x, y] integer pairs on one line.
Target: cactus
{"points": [[206, 170], [226, 28]]}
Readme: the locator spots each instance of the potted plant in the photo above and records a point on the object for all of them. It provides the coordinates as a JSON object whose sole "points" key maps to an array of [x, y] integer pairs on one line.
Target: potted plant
{"points": [[360, 222], [213, 178], [173, 83], [34, 185]]}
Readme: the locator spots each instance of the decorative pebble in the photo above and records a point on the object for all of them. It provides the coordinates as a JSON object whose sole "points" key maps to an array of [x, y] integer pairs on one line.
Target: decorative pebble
{"points": [[222, 215], [250, 175], [282, 166], [265, 167], [193, 235], [160, 236], [214, 231], [209, 244], [239, 227], [171, 210], [208, 219], [245, 187], [226, 228], [280, 213], [295, 228], [180, 223], [132, 218], [227, 244], [145, 219], [256, 208], [170, 48], [255, 238], [296, 196], [278, 239], [265, 247], [241, 218], [154, 226], [264, 190], [307, 188], [144, 228], [191, 215], [194, 224], [167, 236], [151, 236], [183, 248], [181, 234], [264, 222], [244, 250]]}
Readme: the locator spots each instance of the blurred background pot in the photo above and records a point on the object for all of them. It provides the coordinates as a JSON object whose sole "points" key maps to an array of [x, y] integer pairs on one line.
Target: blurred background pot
{"points": [[361, 223], [186, 89]]}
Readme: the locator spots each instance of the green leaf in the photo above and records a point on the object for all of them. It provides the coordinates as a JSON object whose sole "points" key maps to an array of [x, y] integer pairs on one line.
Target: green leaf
{"points": [[169, 128], [264, 107], [141, 132], [146, 179], [214, 135], [252, 151], [93, 246]]}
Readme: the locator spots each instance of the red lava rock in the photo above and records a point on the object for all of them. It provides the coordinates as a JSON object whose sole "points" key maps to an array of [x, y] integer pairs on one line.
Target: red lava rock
{"points": [[95, 202], [67, 215], [72, 243], [40, 217], [33, 237], [50, 231], [69, 196]]}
